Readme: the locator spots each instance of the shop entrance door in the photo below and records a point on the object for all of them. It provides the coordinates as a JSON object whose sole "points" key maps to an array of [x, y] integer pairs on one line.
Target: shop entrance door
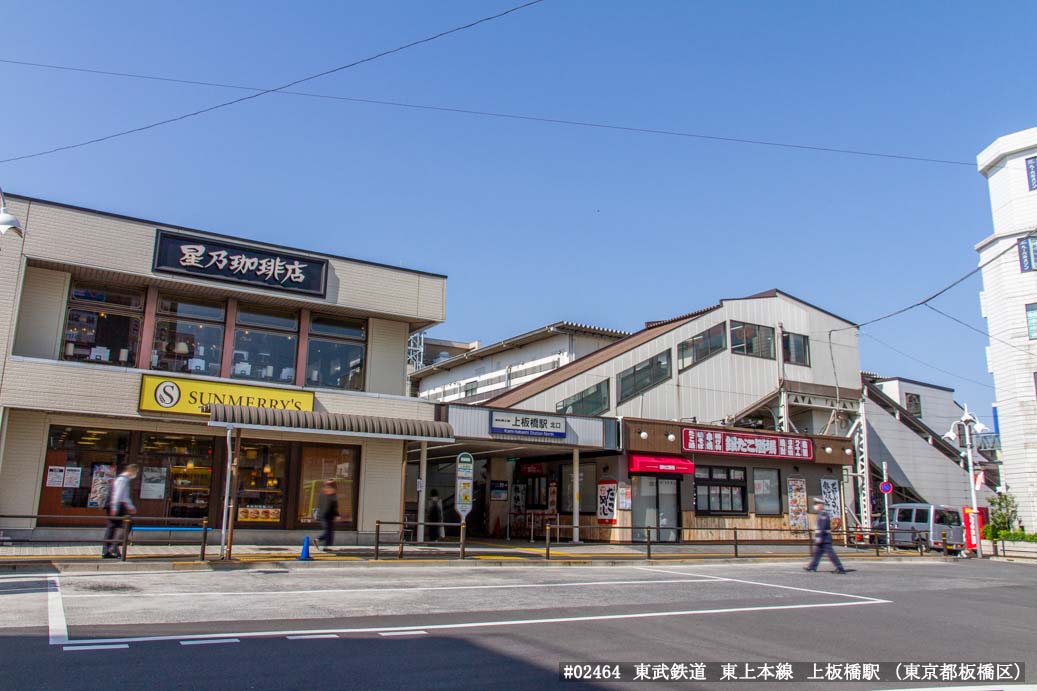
{"points": [[656, 503], [669, 509]]}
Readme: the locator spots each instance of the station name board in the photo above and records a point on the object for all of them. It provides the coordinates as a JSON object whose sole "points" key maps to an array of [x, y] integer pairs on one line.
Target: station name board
{"points": [[526, 424], [204, 257], [747, 444]]}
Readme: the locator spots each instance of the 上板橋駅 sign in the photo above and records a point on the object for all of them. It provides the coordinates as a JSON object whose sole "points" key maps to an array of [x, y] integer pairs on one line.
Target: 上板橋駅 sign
{"points": [[187, 396], [526, 424]]}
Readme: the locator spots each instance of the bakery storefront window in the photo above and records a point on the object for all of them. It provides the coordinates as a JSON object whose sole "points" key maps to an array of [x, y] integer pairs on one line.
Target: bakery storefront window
{"points": [[264, 345], [188, 336], [261, 488], [102, 325], [80, 465], [323, 463], [175, 475]]}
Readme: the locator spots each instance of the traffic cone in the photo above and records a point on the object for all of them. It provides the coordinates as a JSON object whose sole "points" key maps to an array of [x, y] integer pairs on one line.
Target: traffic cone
{"points": [[305, 554]]}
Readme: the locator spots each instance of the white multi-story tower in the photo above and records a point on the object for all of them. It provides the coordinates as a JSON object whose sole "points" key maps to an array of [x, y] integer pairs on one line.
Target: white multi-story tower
{"points": [[1009, 303]]}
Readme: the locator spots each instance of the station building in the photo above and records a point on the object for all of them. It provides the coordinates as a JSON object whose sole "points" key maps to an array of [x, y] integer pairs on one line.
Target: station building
{"points": [[117, 332]]}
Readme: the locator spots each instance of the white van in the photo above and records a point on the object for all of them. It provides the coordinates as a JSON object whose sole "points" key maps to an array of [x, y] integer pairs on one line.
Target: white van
{"points": [[918, 525]]}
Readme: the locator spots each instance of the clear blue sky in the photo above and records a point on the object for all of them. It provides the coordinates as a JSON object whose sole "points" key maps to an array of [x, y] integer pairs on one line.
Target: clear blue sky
{"points": [[536, 222]]}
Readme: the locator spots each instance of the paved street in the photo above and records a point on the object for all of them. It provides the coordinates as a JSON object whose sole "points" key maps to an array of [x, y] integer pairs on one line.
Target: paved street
{"points": [[475, 626]]}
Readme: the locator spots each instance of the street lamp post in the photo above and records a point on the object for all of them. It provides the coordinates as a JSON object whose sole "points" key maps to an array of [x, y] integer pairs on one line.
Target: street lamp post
{"points": [[8, 221], [971, 426]]}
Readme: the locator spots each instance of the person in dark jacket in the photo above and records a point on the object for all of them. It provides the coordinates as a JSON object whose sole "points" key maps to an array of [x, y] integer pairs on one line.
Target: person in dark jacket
{"points": [[823, 539], [327, 511], [435, 515]]}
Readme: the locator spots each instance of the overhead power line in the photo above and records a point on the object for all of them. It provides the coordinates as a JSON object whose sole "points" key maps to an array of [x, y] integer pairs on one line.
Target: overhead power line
{"points": [[979, 331], [264, 92], [923, 362], [941, 291], [494, 114]]}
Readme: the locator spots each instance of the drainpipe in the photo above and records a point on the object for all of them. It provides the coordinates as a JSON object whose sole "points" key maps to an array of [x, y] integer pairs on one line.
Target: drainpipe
{"points": [[226, 493], [576, 496]]}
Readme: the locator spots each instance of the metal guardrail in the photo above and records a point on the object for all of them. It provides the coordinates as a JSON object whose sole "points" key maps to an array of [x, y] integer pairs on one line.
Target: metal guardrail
{"points": [[129, 524], [401, 536], [796, 537]]}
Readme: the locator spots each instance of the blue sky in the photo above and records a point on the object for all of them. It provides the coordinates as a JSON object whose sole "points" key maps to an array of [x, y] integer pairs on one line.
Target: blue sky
{"points": [[536, 222]]}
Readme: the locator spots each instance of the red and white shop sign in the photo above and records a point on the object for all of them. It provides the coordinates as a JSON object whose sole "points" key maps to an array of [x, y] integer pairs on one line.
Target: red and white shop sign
{"points": [[608, 491], [747, 444], [661, 464], [970, 536]]}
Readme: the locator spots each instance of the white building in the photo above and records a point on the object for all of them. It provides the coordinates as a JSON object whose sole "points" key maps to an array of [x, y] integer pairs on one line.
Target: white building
{"points": [[1008, 258], [482, 372]]}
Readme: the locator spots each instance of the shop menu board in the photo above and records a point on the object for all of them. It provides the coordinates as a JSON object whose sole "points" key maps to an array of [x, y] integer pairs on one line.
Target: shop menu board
{"points": [[798, 504], [259, 513]]}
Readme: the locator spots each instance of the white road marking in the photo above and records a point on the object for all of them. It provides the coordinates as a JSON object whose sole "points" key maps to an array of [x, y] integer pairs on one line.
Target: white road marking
{"points": [[96, 647], [404, 633], [317, 591], [56, 624], [769, 585], [480, 624], [312, 636], [209, 641]]}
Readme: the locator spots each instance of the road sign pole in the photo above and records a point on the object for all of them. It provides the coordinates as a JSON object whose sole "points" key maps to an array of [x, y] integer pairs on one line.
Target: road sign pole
{"points": [[463, 485], [885, 502]]}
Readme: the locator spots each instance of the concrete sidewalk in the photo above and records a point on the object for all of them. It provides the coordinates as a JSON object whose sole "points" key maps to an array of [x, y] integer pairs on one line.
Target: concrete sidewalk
{"points": [[478, 550]]}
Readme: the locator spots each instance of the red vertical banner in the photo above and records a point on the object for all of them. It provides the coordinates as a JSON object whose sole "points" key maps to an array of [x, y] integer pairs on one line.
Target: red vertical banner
{"points": [[970, 536]]}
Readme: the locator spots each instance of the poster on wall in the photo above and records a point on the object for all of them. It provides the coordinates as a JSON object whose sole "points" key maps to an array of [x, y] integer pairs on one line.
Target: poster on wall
{"points": [[830, 496], [498, 490], [517, 514], [56, 476], [624, 498], [798, 504], [552, 497], [100, 485], [73, 476], [153, 483], [607, 501]]}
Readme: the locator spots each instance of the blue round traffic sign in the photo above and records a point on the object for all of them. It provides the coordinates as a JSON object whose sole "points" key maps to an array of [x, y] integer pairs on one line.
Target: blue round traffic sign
{"points": [[886, 487]]}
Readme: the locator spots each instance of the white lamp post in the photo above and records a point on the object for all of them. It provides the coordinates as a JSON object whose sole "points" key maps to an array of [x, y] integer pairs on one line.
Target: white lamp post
{"points": [[8, 221], [971, 426]]}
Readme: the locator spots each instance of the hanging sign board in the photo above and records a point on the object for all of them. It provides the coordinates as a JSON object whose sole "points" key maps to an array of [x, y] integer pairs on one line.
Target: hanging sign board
{"points": [[607, 501], [463, 484]]}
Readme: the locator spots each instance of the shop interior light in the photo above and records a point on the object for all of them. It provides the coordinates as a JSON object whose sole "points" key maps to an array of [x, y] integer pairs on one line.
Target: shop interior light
{"points": [[9, 221]]}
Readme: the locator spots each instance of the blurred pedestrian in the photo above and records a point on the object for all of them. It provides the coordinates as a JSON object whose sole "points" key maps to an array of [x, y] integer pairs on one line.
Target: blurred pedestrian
{"points": [[119, 505], [435, 515], [327, 510], [823, 539]]}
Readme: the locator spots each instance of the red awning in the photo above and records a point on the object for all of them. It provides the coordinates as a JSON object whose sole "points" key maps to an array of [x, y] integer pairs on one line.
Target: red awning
{"points": [[661, 464]]}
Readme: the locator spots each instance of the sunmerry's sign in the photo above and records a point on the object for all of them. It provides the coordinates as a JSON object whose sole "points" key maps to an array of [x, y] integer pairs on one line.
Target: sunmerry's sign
{"points": [[747, 444], [205, 257], [187, 396]]}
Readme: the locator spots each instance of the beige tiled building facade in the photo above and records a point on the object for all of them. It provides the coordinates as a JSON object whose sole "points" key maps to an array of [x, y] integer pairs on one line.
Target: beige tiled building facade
{"points": [[115, 331]]}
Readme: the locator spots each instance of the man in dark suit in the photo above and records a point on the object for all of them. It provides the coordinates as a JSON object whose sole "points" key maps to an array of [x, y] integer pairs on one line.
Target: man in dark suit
{"points": [[823, 539]]}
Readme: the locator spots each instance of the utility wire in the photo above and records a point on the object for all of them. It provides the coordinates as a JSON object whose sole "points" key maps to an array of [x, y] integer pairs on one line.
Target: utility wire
{"points": [[264, 92], [980, 331], [490, 114], [923, 362], [941, 291]]}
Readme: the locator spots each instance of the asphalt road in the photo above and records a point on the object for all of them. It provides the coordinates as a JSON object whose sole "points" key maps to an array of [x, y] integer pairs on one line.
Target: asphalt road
{"points": [[473, 627]]}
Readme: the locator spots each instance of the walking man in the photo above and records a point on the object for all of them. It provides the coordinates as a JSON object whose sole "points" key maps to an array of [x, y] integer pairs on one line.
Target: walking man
{"points": [[327, 509], [823, 539], [119, 505]]}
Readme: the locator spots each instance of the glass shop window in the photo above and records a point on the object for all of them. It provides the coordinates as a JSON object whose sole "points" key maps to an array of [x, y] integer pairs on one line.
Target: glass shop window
{"points": [[103, 325]]}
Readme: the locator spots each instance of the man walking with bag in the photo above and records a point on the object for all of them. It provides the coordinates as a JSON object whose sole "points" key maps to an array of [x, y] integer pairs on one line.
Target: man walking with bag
{"points": [[119, 505], [823, 539]]}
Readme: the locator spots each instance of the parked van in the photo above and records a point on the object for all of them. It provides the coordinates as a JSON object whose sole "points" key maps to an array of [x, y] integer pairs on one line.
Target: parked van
{"points": [[923, 525]]}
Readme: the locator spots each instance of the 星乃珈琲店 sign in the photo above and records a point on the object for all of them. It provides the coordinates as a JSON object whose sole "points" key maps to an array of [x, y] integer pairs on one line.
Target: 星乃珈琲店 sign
{"points": [[211, 258], [187, 396]]}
